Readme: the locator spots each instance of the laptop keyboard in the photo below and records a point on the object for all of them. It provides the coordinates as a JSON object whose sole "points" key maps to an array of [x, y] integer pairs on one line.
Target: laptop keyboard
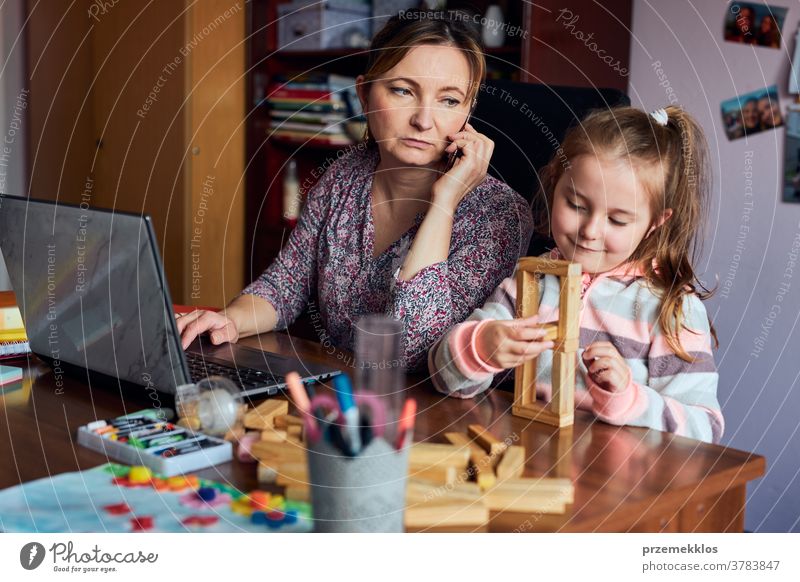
{"points": [[249, 379]]}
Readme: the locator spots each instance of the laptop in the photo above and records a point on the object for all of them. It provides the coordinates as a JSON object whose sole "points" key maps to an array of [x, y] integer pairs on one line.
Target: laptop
{"points": [[93, 296]]}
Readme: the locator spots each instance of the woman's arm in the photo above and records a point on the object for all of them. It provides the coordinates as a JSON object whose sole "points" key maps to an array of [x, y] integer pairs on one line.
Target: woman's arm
{"points": [[432, 242], [280, 293], [486, 244], [287, 283], [245, 315]]}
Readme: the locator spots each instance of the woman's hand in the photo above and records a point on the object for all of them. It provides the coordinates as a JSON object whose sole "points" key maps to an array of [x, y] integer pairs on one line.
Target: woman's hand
{"points": [[607, 368], [510, 343], [468, 171], [221, 328]]}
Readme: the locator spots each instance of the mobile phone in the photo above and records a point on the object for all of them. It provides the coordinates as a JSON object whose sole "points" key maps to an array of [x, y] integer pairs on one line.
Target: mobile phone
{"points": [[453, 156]]}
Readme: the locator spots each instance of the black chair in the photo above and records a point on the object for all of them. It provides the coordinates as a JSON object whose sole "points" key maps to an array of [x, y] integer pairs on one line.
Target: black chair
{"points": [[527, 123]]}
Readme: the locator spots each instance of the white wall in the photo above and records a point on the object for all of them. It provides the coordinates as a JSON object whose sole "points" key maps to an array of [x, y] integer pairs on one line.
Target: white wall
{"points": [[759, 391], [12, 67]]}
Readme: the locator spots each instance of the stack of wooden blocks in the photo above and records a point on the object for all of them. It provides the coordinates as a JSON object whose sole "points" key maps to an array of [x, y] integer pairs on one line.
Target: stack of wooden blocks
{"points": [[565, 333], [458, 484], [450, 485]]}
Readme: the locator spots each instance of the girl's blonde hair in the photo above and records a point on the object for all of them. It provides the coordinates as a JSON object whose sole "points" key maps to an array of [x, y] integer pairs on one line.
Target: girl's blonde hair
{"points": [[413, 28], [670, 162]]}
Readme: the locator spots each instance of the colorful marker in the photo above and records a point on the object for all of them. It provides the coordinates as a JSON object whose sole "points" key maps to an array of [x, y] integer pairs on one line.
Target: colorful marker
{"points": [[347, 404], [406, 423]]}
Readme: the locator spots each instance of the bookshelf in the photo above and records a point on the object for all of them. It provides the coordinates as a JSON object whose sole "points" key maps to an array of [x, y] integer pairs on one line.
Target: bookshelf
{"points": [[548, 52]]}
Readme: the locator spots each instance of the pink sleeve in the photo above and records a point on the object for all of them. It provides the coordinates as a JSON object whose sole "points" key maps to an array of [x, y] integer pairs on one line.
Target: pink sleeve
{"points": [[463, 347], [618, 407]]}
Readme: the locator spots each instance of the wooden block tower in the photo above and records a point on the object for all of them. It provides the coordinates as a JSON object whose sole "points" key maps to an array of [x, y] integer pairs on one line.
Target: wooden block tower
{"points": [[560, 410]]}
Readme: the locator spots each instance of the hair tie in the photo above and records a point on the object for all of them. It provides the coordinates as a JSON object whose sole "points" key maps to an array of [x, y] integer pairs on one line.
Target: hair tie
{"points": [[660, 116]]}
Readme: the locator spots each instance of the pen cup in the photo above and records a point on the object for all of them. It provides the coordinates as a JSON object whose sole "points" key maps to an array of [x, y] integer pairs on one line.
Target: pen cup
{"points": [[358, 494]]}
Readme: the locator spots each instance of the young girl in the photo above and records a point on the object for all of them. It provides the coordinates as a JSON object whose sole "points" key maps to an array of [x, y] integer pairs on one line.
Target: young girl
{"points": [[627, 207]]}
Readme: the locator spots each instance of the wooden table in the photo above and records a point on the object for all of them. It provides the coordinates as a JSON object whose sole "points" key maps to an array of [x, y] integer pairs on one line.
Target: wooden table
{"points": [[626, 479]]}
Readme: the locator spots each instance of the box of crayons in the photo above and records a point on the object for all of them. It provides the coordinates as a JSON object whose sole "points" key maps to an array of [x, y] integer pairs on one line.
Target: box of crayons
{"points": [[145, 438]]}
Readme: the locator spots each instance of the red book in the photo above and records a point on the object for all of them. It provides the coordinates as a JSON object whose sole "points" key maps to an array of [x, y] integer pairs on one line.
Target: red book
{"points": [[283, 92]]}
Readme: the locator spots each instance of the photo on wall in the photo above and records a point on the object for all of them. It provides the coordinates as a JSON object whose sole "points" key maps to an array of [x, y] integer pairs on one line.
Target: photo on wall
{"points": [[755, 24], [751, 113], [791, 157]]}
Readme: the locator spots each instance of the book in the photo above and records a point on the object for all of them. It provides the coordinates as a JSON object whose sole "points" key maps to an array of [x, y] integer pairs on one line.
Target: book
{"points": [[11, 326], [310, 138], [9, 374], [13, 339], [308, 116], [14, 349], [312, 128]]}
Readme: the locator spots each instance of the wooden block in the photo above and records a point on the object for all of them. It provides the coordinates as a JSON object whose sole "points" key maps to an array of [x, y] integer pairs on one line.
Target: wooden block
{"points": [[512, 464], [423, 490], [293, 474], [429, 454], [566, 346], [295, 432], [530, 495], [283, 421], [480, 464], [273, 435], [440, 474], [276, 452], [263, 415], [527, 305], [428, 505], [559, 268], [551, 331], [527, 294], [440, 514], [487, 440], [563, 399], [569, 307], [540, 413]]}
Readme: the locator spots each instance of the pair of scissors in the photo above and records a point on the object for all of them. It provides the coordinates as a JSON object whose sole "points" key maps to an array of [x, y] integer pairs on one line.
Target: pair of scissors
{"points": [[330, 412]]}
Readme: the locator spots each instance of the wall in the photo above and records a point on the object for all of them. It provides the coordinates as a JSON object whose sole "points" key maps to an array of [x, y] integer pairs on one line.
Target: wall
{"points": [[750, 236], [14, 98]]}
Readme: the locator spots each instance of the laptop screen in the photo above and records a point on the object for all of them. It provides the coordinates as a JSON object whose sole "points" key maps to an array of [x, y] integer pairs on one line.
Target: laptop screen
{"points": [[92, 292]]}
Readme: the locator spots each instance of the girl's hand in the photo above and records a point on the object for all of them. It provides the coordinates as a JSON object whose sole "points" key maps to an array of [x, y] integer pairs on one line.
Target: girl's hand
{"points": [[468, 171], [510, 343], [607, 368], [191, 325]]}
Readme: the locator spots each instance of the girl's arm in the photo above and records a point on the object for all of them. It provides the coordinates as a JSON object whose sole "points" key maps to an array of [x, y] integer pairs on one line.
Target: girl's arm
{"points": [[454, 364], [485, 246], [680, 397]]}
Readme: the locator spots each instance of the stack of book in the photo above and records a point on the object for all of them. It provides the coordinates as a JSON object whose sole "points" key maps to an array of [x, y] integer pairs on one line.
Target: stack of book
{"points": [[313, 109], [13, 341]]}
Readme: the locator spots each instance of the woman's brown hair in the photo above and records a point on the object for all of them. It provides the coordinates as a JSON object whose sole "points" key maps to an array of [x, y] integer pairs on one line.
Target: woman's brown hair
{"points": [[413, 28], [671, 163]]}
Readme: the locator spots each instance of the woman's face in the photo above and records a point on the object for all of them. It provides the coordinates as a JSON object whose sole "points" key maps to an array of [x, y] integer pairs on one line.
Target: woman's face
{"points": [[766, 24], [419, 102], [770, 115]]}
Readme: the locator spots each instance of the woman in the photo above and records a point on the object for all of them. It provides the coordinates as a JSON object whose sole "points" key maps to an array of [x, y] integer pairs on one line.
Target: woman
{"points": [[400, 226], [768, 32]]}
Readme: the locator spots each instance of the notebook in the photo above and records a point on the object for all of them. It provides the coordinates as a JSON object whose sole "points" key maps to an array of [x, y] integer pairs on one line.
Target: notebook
{"points": [[13, 341]]}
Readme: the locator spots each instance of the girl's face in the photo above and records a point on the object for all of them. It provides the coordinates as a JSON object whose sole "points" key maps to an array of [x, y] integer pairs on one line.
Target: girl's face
{"points": [[419, 102], [601, 213]]}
